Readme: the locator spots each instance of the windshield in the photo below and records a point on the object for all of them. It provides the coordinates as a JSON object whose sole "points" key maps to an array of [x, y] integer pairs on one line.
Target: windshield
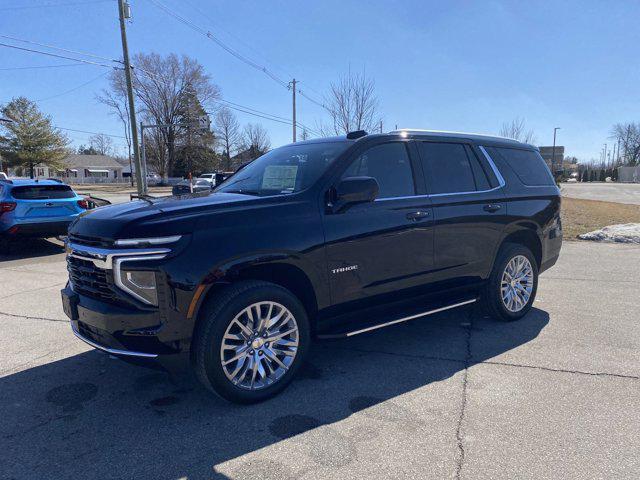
{"points": [[284, 170]]}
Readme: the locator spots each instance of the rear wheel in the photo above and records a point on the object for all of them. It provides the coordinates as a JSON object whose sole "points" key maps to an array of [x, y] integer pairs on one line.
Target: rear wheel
{"points": [[252, 339], [511, 288]]}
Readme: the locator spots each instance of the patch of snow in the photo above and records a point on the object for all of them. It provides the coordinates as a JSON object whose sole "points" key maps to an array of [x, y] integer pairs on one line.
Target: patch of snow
{"points": [[623, 233]]}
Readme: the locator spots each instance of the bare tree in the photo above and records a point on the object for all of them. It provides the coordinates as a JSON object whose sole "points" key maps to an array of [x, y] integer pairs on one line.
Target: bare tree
{"points": [[156, 151], [628, 137], [352, 105], [159, 83], [102, 144], [517, 130], [256, 139], [228, 131], [116, 100]]}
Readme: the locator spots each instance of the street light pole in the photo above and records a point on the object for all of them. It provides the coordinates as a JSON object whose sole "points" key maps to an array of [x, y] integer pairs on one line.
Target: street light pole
{"points": [[553, 151]]}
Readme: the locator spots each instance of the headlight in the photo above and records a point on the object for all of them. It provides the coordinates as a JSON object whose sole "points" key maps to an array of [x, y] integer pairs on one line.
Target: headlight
{"points": [[140, 284]]}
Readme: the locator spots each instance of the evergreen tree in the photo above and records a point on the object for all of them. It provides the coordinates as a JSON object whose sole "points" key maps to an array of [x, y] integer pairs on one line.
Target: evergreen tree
{"points": [[30, 138], [195, 140]]}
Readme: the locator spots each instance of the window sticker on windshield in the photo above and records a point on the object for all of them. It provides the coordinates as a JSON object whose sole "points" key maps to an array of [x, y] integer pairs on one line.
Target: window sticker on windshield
{"points": [[279, 177]]}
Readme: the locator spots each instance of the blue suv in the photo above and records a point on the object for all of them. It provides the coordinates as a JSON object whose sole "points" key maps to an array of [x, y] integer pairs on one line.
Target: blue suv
{"points": [[37, 208]]}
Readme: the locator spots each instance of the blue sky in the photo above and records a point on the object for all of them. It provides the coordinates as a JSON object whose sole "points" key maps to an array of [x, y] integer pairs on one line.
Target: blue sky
{"points": [[445, 65]]}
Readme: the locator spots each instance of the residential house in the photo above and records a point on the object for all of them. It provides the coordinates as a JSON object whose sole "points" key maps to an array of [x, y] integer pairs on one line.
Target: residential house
{"points": [[84, 169]]}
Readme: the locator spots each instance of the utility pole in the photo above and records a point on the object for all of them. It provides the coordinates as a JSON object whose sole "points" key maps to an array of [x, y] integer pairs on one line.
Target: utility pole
{"points": [[380, 126], [124, 12], [293, 88], [553, 151]]}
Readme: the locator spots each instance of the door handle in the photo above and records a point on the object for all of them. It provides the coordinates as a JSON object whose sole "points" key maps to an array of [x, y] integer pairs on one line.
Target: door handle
{"points": [[419, 215], [491, 207]]}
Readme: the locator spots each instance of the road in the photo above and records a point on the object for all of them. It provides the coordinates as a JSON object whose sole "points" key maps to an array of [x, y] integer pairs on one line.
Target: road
{"points": [[606, 192], [457, 395]]}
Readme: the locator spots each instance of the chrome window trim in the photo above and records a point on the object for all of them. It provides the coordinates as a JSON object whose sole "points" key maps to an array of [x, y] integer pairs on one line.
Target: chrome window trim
{"points": [[118, 281], [131, 242], [401, 198], [494, 168], [113, 351]]}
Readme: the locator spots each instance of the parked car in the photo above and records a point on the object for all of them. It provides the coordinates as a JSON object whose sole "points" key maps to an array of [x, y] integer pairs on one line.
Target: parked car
{"points": [[216, 178], [318, 239], [185, 187], [37, 208]]}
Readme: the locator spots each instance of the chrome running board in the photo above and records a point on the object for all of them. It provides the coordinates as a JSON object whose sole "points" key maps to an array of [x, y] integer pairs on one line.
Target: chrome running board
{"points": [[399, 320]]}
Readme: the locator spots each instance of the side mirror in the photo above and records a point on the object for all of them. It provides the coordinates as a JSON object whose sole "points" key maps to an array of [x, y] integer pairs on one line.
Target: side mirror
{"points": [[354, 190]]}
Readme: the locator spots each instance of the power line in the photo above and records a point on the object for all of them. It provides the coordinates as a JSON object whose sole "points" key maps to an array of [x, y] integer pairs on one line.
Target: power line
{"points": [[236, 37], [73, 89], [85, 131], [34, 67], [239, 56], [311, 99], [58, 56], [53, 47], [266, 116], [253, 109], [25, 7], [221, 44]]}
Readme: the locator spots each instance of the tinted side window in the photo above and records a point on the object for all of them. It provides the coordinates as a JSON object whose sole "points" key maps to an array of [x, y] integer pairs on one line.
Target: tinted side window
{"points": [[389, 164], [528, 165], [482, 182], [447, 167]]}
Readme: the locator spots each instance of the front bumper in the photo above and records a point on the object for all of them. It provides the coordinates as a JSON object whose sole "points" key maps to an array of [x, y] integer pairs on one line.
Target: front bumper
{"points": [[115, 329]]}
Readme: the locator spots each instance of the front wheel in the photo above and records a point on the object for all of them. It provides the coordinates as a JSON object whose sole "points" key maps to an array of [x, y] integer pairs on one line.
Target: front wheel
{"points": [[511, 288], [251, 341]]}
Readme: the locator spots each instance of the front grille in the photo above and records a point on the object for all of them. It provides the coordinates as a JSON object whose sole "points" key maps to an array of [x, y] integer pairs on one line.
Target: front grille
{"points": [[89, 280]]}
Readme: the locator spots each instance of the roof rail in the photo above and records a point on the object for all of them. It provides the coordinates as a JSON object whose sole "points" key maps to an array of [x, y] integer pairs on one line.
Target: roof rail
{"points": [[445, 132]]}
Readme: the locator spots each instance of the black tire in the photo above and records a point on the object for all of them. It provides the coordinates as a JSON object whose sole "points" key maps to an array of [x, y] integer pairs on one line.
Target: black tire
{"points": [[215, 317], [491, 299]]}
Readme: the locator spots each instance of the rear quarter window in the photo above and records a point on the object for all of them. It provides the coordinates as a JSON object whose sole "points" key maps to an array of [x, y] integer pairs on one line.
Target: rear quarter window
{"points": [[42, 192], [528, 165]]}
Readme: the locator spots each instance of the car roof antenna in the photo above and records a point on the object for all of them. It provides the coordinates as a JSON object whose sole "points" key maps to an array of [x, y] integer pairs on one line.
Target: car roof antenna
{"points": [[357, 134]]}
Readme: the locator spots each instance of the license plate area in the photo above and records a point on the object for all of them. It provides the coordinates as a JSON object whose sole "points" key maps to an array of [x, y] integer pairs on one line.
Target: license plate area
{"points": [[70, 305]]}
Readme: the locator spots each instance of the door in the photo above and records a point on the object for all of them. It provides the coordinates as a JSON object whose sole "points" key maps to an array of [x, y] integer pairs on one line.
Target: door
{"points": [[386, 245], [469, 210]]}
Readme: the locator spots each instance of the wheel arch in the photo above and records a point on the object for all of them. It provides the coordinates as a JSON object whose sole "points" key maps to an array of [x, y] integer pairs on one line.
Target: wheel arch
{"points": [[283, 270], [526, 235]]}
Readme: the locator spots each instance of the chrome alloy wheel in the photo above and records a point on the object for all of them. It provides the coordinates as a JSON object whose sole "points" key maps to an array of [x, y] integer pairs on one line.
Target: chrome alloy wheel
{"points": [[259, 345], [517, 283]]}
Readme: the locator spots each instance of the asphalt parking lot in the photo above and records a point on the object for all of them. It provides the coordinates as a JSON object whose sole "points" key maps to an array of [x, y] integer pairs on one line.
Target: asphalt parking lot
{"points": [[605, 192], [457, 395]]}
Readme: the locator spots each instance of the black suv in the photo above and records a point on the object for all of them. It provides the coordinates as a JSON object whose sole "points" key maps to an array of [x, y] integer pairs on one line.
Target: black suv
{"points": [[317, 239]]}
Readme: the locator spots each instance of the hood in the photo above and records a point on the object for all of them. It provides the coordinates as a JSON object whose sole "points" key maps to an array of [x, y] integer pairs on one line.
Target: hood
{"points": [[164, 216]]}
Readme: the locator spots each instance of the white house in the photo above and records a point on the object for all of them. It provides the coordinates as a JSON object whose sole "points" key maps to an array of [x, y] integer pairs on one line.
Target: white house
{"points": [[85, 169]]}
